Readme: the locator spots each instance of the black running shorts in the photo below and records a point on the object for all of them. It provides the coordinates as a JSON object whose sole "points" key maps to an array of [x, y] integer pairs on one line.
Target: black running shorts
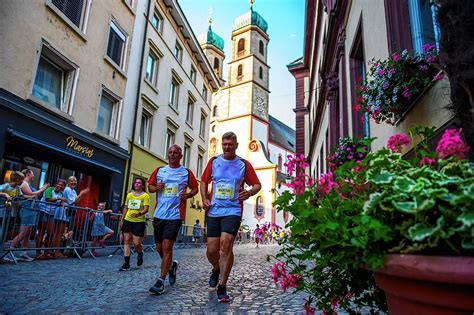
{"points": [[136, 228], [229, 224], [166, 229]]}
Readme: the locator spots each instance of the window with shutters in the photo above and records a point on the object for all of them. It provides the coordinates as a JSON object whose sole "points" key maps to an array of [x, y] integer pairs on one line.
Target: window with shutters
{"points": [[108, 114], [157, 21], [116, 45], [145, 128], [186, 154], [55, 80], [73, 12], [178, 51]]}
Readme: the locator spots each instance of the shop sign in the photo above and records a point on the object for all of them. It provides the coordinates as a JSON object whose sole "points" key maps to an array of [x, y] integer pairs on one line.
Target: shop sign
{"points": [[74, 146]]}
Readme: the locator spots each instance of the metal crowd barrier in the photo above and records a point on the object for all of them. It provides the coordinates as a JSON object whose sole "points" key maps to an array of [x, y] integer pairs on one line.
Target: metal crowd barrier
{"points": [[54, 230]]}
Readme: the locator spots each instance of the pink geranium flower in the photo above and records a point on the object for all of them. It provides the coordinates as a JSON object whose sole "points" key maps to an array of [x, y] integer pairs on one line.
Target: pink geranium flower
{"points": [[397, 141], [327, 182], [451, 144]]}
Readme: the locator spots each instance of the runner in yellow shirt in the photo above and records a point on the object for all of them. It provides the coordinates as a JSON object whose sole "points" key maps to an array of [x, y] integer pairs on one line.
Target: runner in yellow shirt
{"points": [[132, 223]]}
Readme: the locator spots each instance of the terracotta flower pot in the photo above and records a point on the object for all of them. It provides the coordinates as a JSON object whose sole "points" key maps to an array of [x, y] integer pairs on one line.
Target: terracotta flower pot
{"points": [[432, 285]]}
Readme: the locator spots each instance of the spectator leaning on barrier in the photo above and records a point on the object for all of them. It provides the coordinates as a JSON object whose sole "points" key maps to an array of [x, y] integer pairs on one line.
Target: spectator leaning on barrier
{"points": [[12, 187], [99, 229], [136, 206], [29, 213], [8, 191], [52, 199], [170, 183]]}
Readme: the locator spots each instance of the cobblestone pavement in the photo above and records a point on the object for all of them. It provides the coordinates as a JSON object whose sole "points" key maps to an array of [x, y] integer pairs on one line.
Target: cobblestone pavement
{"points": [[88, 285]]}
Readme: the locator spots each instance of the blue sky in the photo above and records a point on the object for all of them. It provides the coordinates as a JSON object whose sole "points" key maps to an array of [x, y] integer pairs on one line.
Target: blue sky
{"points": [[285, 20]]}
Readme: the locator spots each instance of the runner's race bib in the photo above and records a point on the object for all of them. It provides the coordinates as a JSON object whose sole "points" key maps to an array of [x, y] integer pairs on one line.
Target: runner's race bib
{"points": [[224, 191], [170, 190], [134, 204]]}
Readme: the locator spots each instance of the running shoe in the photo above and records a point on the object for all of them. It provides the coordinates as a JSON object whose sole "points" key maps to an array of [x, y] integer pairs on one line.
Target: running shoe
{"points": [[125, 267], [222, 296], [172, 272], [158, 287], [214, 279], [140, 259]]}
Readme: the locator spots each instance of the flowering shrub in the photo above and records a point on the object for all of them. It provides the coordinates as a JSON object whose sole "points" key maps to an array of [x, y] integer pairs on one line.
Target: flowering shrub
{"points": [[394, 82], [344, 224], [348, 150]]}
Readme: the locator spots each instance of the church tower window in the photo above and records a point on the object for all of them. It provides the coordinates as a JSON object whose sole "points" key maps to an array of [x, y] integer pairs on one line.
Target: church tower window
{"points": [[240, 47], [239, 72], [260, 73], [260, 48], [215, 111], [216, 63]]}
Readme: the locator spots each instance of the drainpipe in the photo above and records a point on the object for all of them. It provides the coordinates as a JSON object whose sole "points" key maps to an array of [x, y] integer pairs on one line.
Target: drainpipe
{"points": [[137, 98]]}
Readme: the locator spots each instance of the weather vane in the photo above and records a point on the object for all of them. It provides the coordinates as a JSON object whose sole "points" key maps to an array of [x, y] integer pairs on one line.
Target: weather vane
{"points": [[210, 16], [251, 3]]}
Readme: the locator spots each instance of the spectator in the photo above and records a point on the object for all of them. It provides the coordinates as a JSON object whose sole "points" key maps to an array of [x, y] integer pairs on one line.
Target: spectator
{"points": [[197, 232], [52, 198], [99, 229], [28, 214], [8, 191], [73, 198]]}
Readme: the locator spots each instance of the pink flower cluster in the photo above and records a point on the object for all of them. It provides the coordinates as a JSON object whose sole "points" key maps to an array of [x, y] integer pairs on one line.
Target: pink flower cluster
{"points": [[297, 164], [451, 144], [326, 183], [286, 280], [397, 141]]}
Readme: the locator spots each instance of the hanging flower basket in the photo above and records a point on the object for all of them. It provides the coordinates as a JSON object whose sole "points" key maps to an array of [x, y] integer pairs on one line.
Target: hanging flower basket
{"points": [[395, 83]]}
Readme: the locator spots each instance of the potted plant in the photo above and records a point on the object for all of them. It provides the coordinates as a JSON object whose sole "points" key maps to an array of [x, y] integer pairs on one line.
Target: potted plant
{"points": [[393, 84], [348, 225]]}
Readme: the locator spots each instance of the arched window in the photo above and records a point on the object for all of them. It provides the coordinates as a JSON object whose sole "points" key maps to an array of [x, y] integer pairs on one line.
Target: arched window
{"points": [[216, 63], [260, 47], [259, 208], [215, 111], [240, 47], [239, 71], [260, 73]]}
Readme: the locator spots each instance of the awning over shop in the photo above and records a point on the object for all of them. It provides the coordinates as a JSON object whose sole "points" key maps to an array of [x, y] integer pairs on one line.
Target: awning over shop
{"points": [[13, 134]]}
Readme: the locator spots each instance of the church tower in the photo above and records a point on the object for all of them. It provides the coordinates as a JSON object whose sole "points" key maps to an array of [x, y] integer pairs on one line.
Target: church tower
{"points": [[213, 47], [248, 71], [241, 106]]}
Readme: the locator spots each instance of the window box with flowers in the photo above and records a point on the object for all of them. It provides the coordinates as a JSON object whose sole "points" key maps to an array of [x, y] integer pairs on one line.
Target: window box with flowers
{"points": [[384, 230], [396, 83]]}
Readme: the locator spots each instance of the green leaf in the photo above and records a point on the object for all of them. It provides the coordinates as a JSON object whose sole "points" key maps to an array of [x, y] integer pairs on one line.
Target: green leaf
{"points": [[371, 204], [426, 204], [405, 206], [467, 219], [420, 231], [383, 177], [404, 184]]}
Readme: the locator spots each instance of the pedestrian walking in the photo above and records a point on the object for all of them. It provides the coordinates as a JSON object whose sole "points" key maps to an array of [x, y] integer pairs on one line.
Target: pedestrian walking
{"points": [[197, 232], [136, 206], [171, 183], [228, 173]]}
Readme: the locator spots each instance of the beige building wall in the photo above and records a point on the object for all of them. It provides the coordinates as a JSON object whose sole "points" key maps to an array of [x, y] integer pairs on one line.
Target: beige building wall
{"points": [[155, 92], [27, 25]]}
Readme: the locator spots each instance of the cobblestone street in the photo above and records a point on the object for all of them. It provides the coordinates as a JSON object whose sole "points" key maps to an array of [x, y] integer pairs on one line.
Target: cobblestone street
{"points": [[89, 285]]}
